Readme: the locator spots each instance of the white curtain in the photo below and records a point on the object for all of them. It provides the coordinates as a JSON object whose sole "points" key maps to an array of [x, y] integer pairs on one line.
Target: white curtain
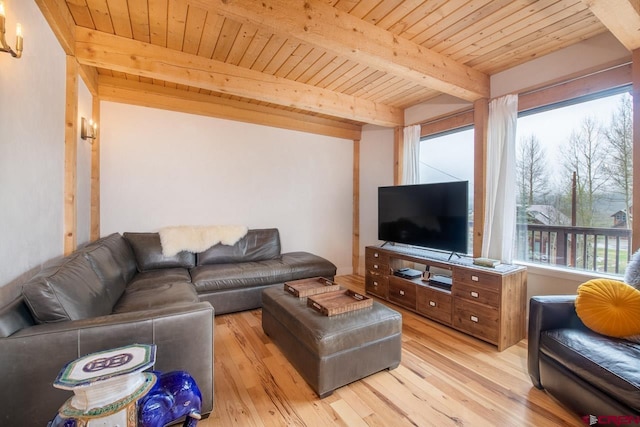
{"points": [[500, 203], [411, 155]]}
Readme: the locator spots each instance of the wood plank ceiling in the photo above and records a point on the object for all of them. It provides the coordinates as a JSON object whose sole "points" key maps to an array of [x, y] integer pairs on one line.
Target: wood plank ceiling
{"points": [[349, 61]]}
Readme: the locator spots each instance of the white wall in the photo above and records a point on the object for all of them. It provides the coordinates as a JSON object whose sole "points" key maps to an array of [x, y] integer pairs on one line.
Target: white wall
{"points": [[594, 54], [376, 170], [162, 168], [440, 106], [32, 103]]}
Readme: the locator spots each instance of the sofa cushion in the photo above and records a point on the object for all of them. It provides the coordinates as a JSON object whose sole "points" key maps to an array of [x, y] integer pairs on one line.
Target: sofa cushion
{"points": [[214, 277], [148, 253], [290, 266], [632, 272], [108, 271], [256, 245], [609, 364], [304, 264], [69, 290], [610, 307], [159, 277], [122, 253], [156, 296]]}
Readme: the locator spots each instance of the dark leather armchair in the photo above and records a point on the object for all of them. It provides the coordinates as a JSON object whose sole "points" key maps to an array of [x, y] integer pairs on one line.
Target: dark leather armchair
{"points": [[591, 374]]}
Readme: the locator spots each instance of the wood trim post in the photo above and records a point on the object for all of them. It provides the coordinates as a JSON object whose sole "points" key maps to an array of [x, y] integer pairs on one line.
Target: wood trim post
{"points": [[355, 262], [481, 122], [635, 80], [71, 157], [398, 158], [95, 173]]}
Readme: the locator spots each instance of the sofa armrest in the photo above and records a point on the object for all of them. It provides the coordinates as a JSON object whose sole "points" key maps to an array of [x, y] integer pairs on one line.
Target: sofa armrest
{"points": [[103, 323], [31, 358], [547, 313]]}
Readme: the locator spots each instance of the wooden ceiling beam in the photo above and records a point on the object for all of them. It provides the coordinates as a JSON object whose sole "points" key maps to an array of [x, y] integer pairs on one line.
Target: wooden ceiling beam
{"points": [[155, 96], [61, 22], [143, 59], [621, 17], [323, 26]]}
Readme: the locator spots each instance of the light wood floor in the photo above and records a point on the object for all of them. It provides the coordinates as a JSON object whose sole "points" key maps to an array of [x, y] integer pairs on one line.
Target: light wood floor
{"points": [[445, 379]]}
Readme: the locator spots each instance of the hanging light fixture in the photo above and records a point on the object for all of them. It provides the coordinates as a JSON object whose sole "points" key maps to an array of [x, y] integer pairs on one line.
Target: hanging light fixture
{"points": [[4, 47]]}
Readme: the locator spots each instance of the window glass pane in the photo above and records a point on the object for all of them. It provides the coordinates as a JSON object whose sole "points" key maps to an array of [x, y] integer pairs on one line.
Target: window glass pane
{"points": [[446, 158], [574, 185]]}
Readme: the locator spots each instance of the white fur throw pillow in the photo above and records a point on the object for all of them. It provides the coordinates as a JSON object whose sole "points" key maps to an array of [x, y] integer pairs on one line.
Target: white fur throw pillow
{"points": [[632, 273], [198, 238]]}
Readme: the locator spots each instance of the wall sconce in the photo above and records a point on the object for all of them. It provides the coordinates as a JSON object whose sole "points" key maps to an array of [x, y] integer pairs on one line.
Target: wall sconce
{"points": [[4, 47], [88, 129]]}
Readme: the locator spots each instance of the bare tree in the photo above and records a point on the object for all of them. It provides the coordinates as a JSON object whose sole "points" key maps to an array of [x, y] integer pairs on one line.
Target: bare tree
{"points": [[531, 169], [585, 154], [619, 135]]}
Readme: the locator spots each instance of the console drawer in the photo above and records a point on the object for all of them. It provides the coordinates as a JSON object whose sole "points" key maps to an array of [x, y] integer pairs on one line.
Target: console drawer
{"points": [[374, 254], [402, 292], [377, 284], [479, 279], [476, 319], [476, 294], [377, 265], [434, 304]]}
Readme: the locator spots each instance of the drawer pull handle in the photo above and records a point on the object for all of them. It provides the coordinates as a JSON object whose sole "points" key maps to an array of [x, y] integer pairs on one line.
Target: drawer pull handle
{"points": [[432, 303], [375, 266], [474, 319], [474, 294], [375, 283], [475, 278], [376, 255], [402, 293]]}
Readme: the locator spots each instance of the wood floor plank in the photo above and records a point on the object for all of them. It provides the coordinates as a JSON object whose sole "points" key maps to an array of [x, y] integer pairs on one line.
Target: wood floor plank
{"points": [[446, 378]]}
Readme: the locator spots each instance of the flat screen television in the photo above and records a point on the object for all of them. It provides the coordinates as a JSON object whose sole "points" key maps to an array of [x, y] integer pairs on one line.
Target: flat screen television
{"points": [[434, 216]]}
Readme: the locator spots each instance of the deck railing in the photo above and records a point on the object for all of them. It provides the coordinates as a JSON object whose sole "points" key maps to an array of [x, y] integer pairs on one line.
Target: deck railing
{"points": [[593, 249]]}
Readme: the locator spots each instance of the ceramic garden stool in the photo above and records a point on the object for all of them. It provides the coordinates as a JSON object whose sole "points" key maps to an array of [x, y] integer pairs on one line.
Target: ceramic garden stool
{"points": [[330, 352], [111, 389]]}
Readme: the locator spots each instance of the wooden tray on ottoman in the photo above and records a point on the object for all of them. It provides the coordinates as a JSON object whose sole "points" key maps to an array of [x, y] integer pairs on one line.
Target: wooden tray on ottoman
{"points": [[312, 286], [332, 303]]}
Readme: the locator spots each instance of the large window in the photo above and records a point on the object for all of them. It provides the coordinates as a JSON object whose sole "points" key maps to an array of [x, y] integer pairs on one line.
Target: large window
{"points": [[449, 157], [574, 176]]}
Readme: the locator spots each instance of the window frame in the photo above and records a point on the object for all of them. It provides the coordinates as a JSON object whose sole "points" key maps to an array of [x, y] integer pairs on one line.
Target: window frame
{"points": [[538, 97]]}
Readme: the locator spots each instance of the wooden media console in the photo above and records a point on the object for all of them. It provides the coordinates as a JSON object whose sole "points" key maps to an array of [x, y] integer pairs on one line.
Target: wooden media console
{"points": [[486, 303]]}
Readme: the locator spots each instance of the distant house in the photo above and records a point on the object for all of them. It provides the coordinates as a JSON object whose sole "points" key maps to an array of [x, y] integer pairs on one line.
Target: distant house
{"points": [[620, 219], [543, 246], [546, 215]]}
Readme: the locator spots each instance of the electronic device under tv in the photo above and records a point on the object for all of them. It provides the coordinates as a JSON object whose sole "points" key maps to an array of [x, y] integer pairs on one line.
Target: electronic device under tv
{"points": [[434, 216]]}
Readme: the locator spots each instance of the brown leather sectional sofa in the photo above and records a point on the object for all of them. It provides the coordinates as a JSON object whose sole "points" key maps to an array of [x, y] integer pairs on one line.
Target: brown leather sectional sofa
{"points": [[592, 374], [121, 290]]}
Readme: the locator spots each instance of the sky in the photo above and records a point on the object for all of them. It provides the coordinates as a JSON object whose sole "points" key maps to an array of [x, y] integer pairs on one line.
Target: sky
{"points": [[450, 157], [553, 128]]}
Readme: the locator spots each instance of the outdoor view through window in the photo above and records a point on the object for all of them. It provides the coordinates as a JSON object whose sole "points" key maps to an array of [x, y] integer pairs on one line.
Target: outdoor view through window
{"points": [[574, 180], [574, 176]]}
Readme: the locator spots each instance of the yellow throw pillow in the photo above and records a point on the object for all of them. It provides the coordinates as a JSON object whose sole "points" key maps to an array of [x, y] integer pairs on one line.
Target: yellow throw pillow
{"points": [[609, 307]]}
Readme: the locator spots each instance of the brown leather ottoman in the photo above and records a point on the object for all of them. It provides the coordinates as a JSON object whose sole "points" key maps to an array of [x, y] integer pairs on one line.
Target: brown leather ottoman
{"points": [[330, 352]]}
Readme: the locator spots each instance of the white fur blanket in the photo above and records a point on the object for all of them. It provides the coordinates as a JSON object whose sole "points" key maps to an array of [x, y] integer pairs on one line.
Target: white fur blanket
{"points": [[198, 238]]}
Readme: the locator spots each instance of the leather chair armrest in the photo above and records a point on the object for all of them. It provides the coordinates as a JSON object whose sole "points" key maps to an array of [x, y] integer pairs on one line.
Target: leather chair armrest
{"points": [[31, 358], [547, 313]]}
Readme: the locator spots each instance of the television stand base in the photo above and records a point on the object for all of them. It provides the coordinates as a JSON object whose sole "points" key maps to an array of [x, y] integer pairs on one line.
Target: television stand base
{"points": [[452, 254]]}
